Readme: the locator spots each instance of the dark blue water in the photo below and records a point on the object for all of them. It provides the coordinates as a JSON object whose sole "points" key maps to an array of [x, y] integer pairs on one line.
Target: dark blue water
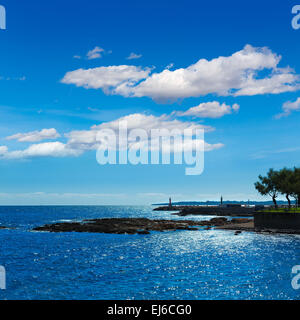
{"points": [[201, 264]]}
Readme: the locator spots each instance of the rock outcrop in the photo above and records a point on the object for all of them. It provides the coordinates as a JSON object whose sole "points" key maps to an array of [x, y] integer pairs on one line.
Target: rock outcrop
{"points": [[141, 226]]}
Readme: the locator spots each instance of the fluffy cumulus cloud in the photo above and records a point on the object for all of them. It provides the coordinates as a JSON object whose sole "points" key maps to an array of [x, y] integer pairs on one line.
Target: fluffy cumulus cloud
{"points": [[250, 71], [210, 110], [147, 128], [162, 126], [288, 108], [48, 149], [234, 75], [112, 79], [35, 136]]}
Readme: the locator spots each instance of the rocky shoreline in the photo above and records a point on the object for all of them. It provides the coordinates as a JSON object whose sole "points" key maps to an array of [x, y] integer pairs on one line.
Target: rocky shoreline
{"points": [[144, 226], [135, 225]]}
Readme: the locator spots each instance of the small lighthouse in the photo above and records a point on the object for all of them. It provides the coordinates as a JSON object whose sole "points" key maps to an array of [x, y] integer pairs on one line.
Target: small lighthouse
{"points": [[170, 203], [221, 200]]}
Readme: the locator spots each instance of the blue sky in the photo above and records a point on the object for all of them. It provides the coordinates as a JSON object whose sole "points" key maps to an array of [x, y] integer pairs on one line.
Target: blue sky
{"points": [[47, 47]]}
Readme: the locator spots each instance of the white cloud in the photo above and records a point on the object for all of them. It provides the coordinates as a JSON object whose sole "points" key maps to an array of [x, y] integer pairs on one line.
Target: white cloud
{"points": [[76, 56], [48, 198], [266, 153], [210, 110], [236, 75], [87, 139], [3, 150], [110, 79], [133, 56], [95, 53], [35, 136], [48, 149], [288, 108], [84, 140]]}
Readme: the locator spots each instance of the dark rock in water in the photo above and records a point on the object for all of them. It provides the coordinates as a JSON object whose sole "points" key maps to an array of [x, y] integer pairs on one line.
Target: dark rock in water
{"points": [[143, 232], [237, 233], [3, 228], [140, 226], [120, 226]]}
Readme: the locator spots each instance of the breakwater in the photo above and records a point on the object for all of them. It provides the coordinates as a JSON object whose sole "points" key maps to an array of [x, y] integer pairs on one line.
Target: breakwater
{"points": [[212, 210]]}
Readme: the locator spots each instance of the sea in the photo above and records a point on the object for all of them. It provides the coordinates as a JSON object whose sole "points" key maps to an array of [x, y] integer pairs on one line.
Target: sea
{"points": [[186, 265]]}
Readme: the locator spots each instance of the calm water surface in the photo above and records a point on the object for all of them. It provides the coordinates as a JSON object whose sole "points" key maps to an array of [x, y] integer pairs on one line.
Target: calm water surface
{"points": [[201, 264]]}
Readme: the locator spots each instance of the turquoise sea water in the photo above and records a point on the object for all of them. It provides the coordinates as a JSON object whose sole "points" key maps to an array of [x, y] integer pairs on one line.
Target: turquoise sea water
{"points": [[200, 264]]}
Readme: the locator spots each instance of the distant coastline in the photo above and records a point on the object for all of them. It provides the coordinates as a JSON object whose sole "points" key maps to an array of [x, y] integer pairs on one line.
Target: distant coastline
{"points": [[214, 203]]}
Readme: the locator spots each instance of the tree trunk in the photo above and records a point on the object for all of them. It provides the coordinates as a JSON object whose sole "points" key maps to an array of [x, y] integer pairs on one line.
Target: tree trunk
{"points": [[289, 201], [275, 202]]}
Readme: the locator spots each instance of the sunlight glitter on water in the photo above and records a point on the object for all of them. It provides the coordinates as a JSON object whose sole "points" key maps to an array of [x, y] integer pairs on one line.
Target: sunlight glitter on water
{"points": [[204, 264]]}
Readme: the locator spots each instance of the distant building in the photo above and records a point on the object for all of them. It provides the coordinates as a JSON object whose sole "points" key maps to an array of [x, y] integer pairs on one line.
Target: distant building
{"points": [[170, 203]]}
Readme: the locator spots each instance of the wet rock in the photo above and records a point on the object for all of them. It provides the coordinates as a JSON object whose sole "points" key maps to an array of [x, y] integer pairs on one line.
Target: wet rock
{"points": [[130, 225], [120, 226]]}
